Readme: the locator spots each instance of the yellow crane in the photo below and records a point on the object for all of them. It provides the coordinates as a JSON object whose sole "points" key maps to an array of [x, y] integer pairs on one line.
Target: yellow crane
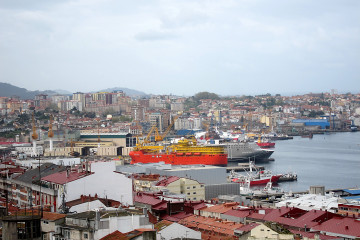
{"points": [[161, 137]]}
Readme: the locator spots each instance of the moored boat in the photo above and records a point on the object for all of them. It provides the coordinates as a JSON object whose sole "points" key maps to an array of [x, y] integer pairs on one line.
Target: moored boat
{"points": [[255, 178]]}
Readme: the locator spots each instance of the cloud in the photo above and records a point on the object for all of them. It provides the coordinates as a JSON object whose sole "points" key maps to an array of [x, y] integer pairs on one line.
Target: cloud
{"points": [[155, 36]]}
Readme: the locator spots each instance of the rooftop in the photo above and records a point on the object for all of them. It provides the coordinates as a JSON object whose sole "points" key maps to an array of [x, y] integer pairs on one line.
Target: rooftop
{"points": [[64, 177]]}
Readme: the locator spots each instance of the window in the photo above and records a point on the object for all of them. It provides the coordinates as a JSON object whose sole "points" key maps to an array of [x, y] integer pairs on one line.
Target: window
{"points": [[188, 193], [86, 235], [188, 188], [194, 198], [194, 187], [194, 192]]}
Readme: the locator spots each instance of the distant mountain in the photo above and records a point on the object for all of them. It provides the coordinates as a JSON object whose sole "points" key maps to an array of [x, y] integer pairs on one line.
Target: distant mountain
{"points": [[8, 90], [127, 91], [63, 92]]}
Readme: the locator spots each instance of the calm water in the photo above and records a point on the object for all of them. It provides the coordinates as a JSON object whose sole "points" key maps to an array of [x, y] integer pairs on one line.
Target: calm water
{"points": [[331, 160]]}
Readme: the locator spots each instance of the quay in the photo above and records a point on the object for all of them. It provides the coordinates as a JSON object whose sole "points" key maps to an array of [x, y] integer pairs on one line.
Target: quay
{"points": [[242, 167]]}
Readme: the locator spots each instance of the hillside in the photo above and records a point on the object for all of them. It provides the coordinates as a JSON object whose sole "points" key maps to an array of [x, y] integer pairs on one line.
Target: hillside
{"points": [[127, 91], [8, 90]]}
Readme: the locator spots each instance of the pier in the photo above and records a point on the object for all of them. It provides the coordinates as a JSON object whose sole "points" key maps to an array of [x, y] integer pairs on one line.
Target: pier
{"points": [[242, 167]]}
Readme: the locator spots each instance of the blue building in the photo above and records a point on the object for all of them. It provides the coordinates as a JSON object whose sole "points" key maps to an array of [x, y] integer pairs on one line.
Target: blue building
{"points": [[323, 123]]}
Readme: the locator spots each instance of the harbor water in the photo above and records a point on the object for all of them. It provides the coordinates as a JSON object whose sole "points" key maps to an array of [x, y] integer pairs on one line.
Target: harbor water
{"points": [[331, 160]]}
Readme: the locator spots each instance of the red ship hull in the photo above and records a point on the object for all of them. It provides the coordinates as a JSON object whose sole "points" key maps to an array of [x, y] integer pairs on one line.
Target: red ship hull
{"points": [[179, 158], [254, 182]]}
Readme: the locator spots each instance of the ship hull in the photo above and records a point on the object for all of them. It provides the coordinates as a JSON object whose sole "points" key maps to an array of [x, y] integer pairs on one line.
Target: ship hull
{"points": [[263, 181], [246, 151], [177, 159]]}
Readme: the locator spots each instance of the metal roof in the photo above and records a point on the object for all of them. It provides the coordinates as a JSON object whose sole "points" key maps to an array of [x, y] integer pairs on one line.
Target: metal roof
{"points": [[46, 169], [353, 191]]}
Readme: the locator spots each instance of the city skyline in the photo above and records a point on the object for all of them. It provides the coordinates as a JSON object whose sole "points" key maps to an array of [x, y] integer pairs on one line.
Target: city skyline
{"points": [[163, 47]]}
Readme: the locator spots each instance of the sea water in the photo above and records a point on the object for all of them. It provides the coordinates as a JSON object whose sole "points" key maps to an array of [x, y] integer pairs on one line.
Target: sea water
{"points": [[330, 160]]}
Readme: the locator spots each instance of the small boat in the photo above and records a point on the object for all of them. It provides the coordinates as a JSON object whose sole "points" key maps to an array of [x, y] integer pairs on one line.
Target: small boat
{"points": [[255, 178], [290, 176], [269, 189], [310, 135], [264, 143]]}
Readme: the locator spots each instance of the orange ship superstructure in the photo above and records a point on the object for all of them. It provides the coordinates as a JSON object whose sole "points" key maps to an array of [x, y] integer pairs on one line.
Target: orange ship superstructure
{"points": [[185, 152]]}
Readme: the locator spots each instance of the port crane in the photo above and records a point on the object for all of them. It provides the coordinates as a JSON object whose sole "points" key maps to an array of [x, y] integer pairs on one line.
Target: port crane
{"points": [[159, 137]]}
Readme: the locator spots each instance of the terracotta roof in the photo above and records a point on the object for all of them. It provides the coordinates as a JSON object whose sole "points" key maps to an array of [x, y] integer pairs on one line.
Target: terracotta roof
{"points": [[167, 181], [221, 208], [51, 216], [210, 224], [115, 236], [64, 177]]}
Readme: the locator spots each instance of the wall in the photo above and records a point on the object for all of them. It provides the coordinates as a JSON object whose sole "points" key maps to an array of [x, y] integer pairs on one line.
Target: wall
{"points": [[213, 191], [104, 182], [178, 231]]}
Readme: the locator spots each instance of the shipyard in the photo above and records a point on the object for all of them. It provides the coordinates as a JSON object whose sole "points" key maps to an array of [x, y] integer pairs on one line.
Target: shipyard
{"points": [[166, 120]]}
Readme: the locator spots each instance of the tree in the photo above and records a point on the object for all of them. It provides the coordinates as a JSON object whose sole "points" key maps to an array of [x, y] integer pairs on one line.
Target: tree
{"points": [[206, 95]]}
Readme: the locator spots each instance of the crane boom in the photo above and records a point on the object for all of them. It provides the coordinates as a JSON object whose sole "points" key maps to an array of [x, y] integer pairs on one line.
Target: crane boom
{"points": [[160, 138]]}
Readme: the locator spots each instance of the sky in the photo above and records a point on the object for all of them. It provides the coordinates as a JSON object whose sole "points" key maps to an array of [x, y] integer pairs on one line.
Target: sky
{"points": [[229, 47]]}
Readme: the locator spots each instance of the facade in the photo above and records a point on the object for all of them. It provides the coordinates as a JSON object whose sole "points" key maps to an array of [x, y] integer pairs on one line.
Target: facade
{"points": [[192, 189], [262, 231], [349, 209], [50, 224]]}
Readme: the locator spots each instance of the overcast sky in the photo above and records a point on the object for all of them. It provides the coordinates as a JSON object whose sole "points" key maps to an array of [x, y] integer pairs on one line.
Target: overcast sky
{"points": [[182, 47]]}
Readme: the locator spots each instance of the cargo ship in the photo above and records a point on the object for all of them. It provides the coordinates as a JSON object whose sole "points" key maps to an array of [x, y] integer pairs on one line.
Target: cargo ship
{"points": [[185, 152]]}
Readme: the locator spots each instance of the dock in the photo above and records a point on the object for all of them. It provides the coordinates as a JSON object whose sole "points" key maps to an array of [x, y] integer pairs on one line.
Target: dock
{"points": [[242, 167]]}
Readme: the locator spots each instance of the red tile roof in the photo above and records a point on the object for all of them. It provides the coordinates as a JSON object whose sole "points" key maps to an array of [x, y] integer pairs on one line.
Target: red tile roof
{"points": [[210, 224], [64, 177], [167, 181], [221, 208], [115, 236]]}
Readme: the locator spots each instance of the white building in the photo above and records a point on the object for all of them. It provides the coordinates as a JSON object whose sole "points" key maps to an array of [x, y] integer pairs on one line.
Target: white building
{"points": [[312, 202]]}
